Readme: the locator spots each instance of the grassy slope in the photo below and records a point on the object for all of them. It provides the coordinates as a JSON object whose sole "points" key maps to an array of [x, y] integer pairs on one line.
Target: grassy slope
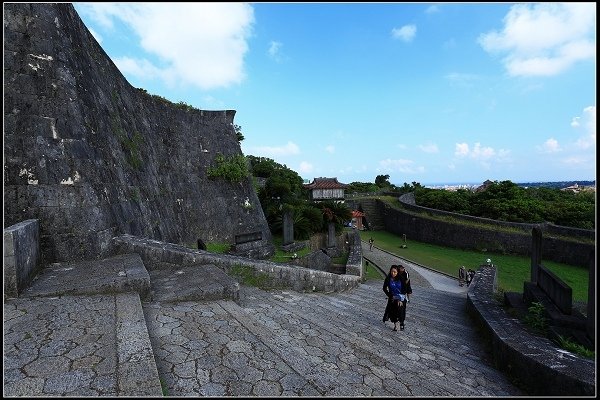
{"points": [[512, 270]]}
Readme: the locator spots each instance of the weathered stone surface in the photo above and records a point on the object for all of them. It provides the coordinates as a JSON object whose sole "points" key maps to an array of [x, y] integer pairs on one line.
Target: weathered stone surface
{"points": [[21, 256], [90, 156]]}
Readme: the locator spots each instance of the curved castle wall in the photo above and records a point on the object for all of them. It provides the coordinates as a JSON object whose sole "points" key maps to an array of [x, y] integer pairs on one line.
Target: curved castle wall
{"points": [[572, 247]]}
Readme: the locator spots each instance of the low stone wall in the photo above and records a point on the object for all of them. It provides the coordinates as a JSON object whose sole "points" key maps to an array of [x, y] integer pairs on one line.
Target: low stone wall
{"points": [[21, 256], [418, 223], [533, 361], [297, 278], [354, 265]]}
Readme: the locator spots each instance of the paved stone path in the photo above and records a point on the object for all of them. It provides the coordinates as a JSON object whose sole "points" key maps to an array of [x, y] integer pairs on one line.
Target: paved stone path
{"points": [[285, 343], [267, 343], [420, 275]]}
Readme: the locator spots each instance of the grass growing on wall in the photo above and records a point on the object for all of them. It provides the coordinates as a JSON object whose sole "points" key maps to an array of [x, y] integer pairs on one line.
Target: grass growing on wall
{"points": [[250, 277], [233, 169], [220, 248], [284, 256], [371, 273], [512, 270]]}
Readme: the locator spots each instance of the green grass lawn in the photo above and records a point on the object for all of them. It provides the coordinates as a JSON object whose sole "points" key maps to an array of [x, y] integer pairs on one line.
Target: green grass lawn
{"points": [[372, 273], [512, 270]]}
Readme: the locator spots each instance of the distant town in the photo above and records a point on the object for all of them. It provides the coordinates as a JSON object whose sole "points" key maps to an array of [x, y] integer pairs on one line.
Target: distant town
{"points": [[575, 186]]}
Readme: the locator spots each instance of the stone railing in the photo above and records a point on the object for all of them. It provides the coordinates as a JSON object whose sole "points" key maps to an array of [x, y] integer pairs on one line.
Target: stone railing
{"points": [[536, 362], [154, 252]]}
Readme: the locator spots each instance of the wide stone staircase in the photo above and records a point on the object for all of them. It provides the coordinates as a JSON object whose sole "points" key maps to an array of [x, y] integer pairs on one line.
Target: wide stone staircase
{"points": [[112, 328]]}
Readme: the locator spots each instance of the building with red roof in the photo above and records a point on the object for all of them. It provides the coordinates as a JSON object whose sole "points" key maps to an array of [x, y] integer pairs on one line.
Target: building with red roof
{"points": [[326, 189]]}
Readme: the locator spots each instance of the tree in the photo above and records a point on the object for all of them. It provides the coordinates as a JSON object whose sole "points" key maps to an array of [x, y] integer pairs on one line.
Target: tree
{"points": [[383, 181]]}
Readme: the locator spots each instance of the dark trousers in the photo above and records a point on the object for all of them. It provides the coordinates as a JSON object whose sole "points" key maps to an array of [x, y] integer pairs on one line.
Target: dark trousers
{"points": [[394, 312]]}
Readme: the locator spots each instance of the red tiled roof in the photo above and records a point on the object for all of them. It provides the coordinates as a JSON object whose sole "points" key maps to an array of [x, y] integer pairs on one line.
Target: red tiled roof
{"points": [[325, 183], [356, 214]]}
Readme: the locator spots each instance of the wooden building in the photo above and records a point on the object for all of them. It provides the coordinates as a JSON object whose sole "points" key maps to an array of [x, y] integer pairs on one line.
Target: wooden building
{"points": [[326, 189]]}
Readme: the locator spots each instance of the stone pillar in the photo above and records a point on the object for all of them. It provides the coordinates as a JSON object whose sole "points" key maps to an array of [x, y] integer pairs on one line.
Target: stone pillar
{"points": [[591, 305], [21, 256], [288, 227], [536, 253], [331, 242]]}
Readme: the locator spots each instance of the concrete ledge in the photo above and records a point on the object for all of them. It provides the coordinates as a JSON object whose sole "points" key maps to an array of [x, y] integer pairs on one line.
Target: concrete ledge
{"points": [[537, 364], [176, 283], [137, 374], [297, 278], [122, 273]]}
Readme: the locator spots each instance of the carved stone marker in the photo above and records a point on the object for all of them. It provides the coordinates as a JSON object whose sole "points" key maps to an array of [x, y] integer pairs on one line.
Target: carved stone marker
{"points": [[288, 228], [331, 242], [248, 237]]}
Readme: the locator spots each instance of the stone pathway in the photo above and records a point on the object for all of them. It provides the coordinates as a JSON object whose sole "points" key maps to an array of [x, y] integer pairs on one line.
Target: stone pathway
{"points": [[265, 343]]}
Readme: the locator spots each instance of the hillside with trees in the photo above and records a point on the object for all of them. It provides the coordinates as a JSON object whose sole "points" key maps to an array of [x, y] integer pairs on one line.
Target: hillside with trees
{"points": [[507, 201], [503, 201]]}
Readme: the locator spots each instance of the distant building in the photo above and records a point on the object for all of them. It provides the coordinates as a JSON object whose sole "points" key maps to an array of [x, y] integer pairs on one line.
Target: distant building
{"points": [[357, 219], [326, 189], [575, 188]]}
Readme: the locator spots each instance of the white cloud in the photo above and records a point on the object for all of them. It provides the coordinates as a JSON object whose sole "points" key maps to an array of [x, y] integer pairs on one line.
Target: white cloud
{"points": [[576, 161], [305, 167], [432, 9], [275, 51], [461, 149], [575, 122], [406, 33], [267, 151], [429, 148], [587, 122], [330, 149], [482, 153], [550, 146], [478, 152], [503, 155], [212, 102], [199, 44], [401, 165], [102, 13], [96, 35], [544, 39], [141, 68]]}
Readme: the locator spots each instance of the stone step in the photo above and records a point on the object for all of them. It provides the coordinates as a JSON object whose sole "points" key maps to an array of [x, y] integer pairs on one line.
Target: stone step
{"points": [[176, 283], [290, 313], [118, 274], [221, 351], [428, 308], [90, 345]]}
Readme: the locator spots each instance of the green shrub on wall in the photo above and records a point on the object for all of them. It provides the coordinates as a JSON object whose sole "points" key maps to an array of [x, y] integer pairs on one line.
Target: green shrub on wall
{"points": [[232, 169]]}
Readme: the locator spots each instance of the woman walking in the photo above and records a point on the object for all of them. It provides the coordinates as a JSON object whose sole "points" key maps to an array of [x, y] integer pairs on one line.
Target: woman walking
{"points": [[395, 290]]}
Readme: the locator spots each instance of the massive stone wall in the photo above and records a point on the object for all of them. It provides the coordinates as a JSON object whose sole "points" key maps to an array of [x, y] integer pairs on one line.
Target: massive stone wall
{"points": [[92, 157]]}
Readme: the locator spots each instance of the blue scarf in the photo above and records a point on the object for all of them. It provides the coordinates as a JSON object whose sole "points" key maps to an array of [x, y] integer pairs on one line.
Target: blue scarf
{"points": [[396, 289]]}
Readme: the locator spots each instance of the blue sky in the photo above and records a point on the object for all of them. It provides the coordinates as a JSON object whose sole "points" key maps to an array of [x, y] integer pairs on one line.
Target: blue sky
{"points": [[422, 92]]}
